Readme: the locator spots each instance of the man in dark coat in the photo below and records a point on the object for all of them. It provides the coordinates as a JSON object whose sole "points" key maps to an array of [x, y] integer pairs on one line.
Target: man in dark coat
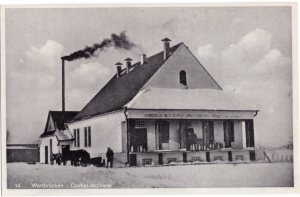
{"points": [[110, 157]]}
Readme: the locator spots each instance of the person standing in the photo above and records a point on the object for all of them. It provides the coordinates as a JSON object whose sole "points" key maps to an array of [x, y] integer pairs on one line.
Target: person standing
{"points": [[110, 157]]}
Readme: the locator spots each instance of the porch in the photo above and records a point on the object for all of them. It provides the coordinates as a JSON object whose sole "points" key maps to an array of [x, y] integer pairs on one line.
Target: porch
{"points": [[185, 140]]}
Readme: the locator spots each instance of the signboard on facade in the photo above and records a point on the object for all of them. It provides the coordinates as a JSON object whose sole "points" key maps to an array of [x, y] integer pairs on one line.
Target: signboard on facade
{"points": [[189, 114]]}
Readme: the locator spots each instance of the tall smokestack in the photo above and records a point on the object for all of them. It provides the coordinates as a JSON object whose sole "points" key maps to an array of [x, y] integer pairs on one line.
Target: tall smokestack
{"points": [[63, 89], [128, 64], [166, 47], [119, 68]]}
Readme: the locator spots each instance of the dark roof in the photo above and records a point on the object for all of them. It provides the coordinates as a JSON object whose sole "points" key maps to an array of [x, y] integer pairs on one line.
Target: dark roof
{"points": [[119, 91], [57, 118], [58, 121]]}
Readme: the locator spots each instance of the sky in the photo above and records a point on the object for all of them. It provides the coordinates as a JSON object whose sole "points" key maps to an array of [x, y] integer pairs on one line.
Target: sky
{"points": [[247, 50]]}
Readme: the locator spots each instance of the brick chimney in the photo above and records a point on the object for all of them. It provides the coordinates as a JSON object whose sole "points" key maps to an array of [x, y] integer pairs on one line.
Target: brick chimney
{"points": [[119, 69], [166, 47], [128, 64]]}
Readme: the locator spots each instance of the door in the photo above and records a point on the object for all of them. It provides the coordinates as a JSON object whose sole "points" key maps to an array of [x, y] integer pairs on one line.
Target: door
{"points": [[160, 158], [65, 149], [132, 159], [46, 154]]}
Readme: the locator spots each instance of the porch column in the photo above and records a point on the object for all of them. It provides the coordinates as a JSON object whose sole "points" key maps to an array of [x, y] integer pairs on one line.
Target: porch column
{"points": [[244, 133]]}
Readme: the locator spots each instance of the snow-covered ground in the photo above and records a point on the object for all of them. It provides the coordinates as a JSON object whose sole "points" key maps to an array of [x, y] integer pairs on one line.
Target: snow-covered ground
{"points": [[183, 176]]}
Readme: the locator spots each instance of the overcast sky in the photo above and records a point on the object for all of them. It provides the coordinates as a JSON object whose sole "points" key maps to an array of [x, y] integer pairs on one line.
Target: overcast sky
{"points": [[247, 50]]}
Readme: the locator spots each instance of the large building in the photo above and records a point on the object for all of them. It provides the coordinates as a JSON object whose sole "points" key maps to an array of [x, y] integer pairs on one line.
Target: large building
{"points": [[165, 108]]}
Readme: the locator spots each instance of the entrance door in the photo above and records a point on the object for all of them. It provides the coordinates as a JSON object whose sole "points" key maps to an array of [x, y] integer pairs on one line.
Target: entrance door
{"points": [[228, 133], [46, 154], [65, 149]]}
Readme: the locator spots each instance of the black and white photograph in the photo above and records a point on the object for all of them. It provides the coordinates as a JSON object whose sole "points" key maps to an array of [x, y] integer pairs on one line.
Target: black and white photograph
{"points": [[97, 98]]}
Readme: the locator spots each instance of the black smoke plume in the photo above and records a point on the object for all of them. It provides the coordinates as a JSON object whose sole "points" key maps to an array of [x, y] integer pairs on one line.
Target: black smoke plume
{"points": [[117, 41]]}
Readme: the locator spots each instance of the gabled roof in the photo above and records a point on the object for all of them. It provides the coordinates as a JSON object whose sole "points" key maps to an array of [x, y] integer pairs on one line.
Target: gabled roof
{"points": [[119, 91], [57, 117], [206, 99]]}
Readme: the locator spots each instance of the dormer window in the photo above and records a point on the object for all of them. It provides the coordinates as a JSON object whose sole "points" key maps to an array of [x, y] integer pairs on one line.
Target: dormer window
{"points": [[182, 78]]}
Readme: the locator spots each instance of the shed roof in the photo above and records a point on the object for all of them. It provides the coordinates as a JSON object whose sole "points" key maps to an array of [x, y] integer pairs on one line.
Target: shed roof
{"points": [[193, 99], [119, 91], [63, 135]]}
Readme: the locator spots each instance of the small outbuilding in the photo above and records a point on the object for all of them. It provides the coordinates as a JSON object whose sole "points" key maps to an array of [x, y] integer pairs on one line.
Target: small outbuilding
{"points": [[56, 137], [22, 153]]}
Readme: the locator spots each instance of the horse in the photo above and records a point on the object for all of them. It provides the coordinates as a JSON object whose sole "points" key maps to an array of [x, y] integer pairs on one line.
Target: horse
{"points": [[77, 157]]}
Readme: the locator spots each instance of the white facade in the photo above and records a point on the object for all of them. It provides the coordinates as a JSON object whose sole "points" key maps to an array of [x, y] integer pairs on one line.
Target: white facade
{"points": [[45, 142], [106, 131]]}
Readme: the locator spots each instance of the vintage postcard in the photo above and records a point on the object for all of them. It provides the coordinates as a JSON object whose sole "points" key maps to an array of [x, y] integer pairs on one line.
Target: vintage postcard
{"points": [[183, 98]]}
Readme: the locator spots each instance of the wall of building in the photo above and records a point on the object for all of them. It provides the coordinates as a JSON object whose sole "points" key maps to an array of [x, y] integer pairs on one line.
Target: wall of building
{"points": [[106, 131], [182, 59], [45, 141], [22, 155]]}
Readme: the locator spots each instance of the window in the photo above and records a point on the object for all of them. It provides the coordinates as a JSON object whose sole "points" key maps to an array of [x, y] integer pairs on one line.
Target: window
{"points": [[28, 153], [76, 138], [171, 160], [218, 158], [195, 158], [182, 77], [239, 157], [139, 123], [87, 136], [146, 162], [50, 145], [188, 124]]}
